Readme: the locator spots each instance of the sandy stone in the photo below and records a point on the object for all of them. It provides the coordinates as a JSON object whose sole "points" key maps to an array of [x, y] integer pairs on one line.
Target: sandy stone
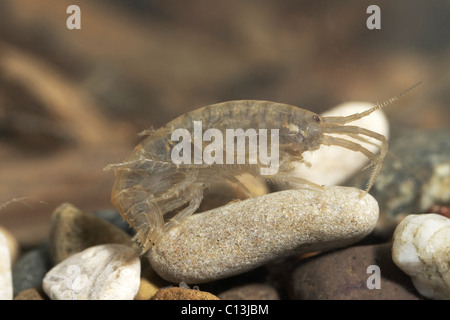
{"points": [[422, 250], [6, 284], [333, 165], [103, 272], [73, 230], [176, 293], [242, 236]]}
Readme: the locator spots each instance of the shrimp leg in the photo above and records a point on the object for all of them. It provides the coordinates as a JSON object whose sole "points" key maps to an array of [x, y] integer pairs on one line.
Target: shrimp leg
{"points": [[134, 164], [354, 130], [362, 139], [176, 188], [286, 178], [146, 218], [155, 132], [376, 159], [231, 178], [195, 193]]}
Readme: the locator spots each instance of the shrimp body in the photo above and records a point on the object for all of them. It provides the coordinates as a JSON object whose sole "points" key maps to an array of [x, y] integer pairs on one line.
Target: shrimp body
{"points": [[149, 186]]}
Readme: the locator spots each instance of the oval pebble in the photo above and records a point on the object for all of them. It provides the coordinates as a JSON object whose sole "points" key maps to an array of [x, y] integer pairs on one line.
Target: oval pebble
{"points": [[103, 272], [421, 249], [6, 284], [351, 274], [333, 165], [241, 236], [29, 294]]}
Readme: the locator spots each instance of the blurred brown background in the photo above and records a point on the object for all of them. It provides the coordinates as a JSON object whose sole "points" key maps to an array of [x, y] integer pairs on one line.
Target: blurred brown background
{"points": [[72, 101]]}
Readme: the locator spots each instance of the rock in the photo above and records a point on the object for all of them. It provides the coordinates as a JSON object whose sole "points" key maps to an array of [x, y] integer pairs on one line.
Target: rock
{"points": [[31, 268], [333, 165], [346, 275], [175, 293], [437, 189], [422, 250], [103, 272], [242, 236], [29, 294], [443, 210], [253, 291], [146, 290], [415, 176], [6, 284], [150, 284], [73, 230], [13, 244], [114, 217]]}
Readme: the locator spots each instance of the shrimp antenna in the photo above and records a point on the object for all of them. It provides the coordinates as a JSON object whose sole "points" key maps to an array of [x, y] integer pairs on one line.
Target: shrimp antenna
{"points": [[397, 97], [384, 104], [343, 120]]}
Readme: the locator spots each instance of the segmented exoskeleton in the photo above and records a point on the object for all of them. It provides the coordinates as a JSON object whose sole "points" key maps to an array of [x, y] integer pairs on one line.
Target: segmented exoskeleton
{"points": [[149, 183]]}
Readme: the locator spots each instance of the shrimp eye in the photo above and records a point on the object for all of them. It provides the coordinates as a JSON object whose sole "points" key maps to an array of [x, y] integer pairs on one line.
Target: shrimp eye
{"points": [[316, 118]]}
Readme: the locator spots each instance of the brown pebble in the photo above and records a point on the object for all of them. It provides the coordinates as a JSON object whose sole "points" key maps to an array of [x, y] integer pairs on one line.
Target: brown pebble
{"points": [[150, 283], [73, 230], [443, 210], [176, 293], [254, 291], [30, 294], [146, 290], [344, 275]]}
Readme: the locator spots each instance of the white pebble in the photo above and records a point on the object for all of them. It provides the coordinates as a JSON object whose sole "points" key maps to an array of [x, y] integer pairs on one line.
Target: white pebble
{"points": [[333, 165], [421, 249], [241, 236], [103, 272], [13, 244], [6, 286]]}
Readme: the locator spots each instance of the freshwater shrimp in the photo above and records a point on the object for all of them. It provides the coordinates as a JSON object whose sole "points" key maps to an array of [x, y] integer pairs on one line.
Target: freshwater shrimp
{"points": [[149, 185]]}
